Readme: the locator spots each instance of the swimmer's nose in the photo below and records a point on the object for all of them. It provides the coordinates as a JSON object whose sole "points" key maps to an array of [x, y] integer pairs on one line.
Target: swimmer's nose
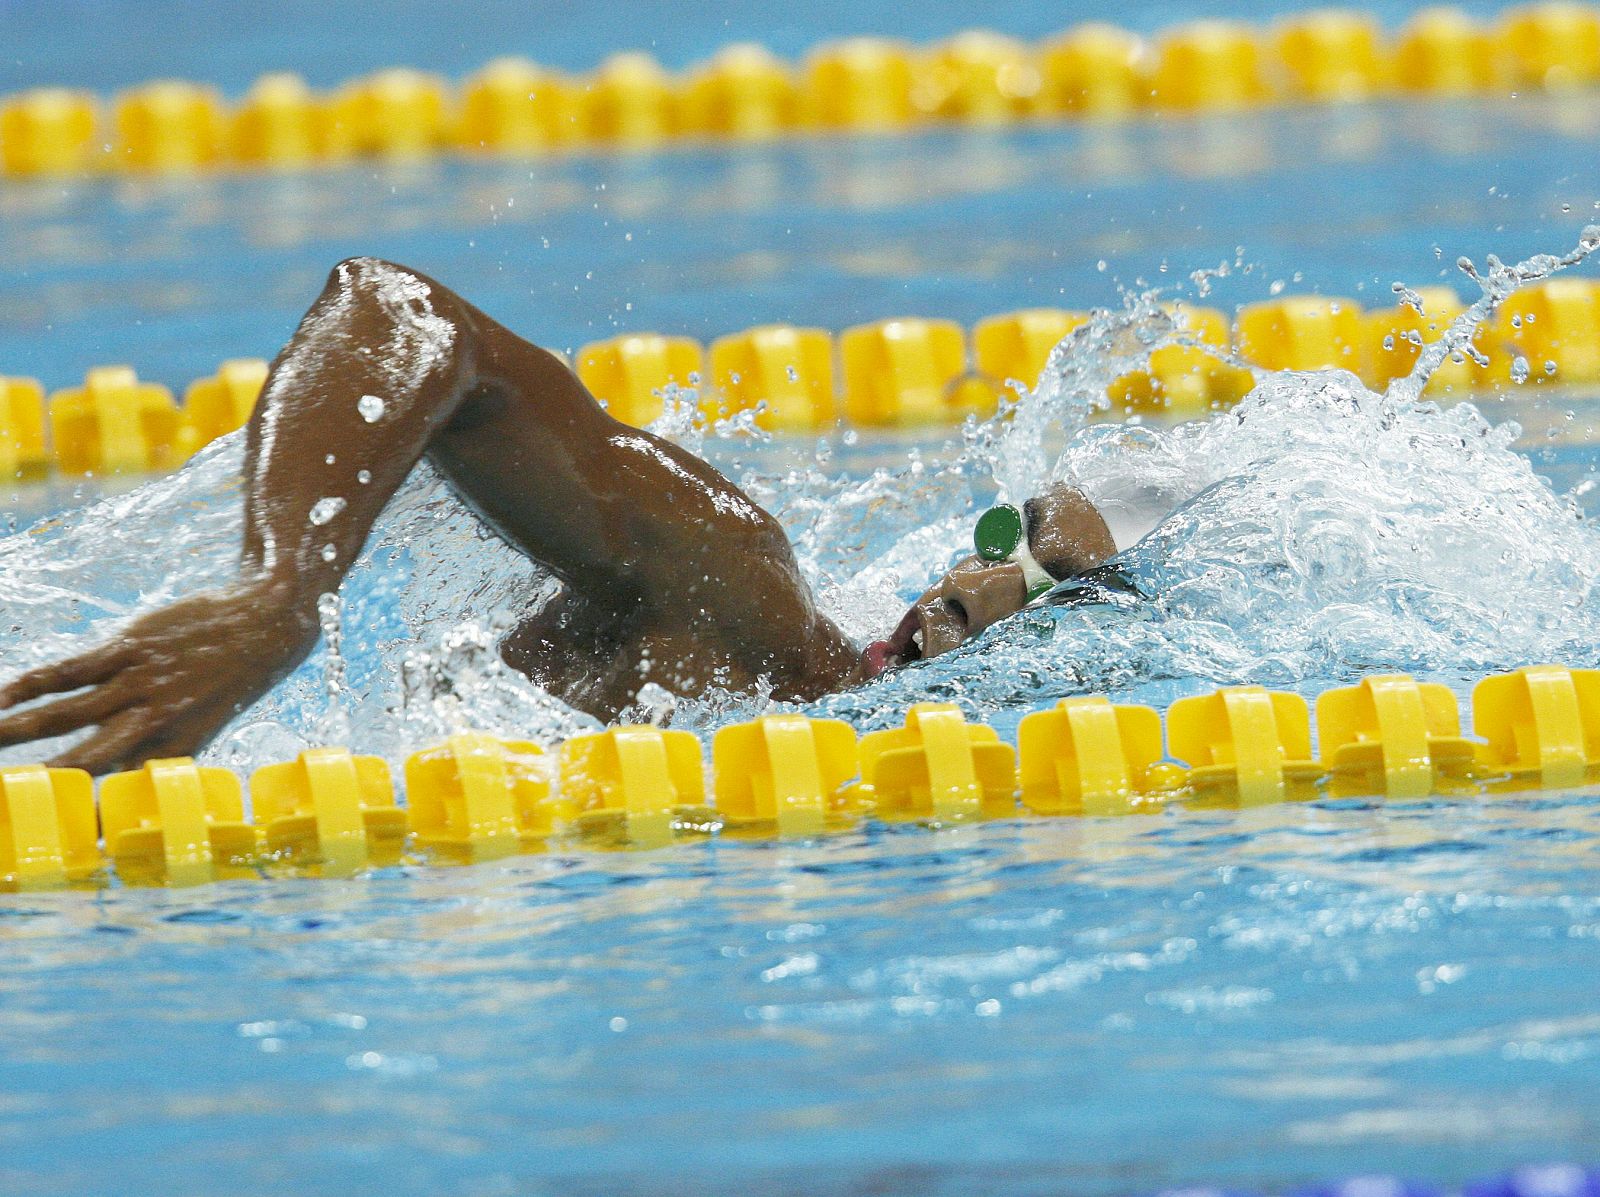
{"points": [[981, 594]]}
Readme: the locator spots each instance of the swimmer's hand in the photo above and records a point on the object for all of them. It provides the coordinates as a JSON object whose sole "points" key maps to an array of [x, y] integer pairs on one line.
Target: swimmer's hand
{"points": [[169, 680]]}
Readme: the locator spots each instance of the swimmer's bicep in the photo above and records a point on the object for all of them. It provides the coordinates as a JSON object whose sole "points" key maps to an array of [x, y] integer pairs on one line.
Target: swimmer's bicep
{"points": [[760, 601], [527, 448]]}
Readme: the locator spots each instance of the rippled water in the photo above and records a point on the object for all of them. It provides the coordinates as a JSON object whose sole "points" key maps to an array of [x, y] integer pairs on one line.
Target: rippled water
{"points": [[1083, 1006], [1257, 997]]}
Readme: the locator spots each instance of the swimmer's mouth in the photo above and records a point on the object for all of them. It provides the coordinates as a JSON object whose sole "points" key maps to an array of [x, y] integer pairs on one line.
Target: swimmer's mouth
{"points": [[901, 648]]}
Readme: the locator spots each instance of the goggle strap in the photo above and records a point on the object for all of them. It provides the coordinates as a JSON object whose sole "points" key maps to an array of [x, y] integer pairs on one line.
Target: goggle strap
{"points": [[1038, 579]]}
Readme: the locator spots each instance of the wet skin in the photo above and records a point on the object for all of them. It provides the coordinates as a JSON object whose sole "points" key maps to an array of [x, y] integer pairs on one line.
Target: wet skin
{"points": [[670, 574]]}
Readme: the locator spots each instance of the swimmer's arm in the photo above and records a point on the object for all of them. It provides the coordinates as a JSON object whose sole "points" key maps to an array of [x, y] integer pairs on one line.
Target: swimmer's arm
{"points": [[389, 366], [520, 438], [319, 465], [321, 461], [636, 526]]}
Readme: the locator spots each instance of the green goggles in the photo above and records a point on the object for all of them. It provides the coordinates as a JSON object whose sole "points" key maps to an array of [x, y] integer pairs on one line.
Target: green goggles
{"points": [[1002, 535]]}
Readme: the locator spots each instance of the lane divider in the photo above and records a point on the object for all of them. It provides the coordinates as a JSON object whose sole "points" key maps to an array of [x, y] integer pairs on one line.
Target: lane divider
{"points": [[478, 798], [516, 108], [902, 373]]}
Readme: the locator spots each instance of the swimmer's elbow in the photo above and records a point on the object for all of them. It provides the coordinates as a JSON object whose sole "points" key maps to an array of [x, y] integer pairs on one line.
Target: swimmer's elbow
{"points": [[366, 273], [358, 264], [369, 303]]}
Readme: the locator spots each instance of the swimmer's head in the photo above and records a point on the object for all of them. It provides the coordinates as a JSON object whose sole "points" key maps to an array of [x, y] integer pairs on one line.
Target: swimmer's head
{"points": [[1050, 537]]}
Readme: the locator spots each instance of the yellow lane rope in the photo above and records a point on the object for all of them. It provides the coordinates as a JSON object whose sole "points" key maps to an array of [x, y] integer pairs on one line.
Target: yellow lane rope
{"points": [[517, 108], [909, 372], [476, 797]]}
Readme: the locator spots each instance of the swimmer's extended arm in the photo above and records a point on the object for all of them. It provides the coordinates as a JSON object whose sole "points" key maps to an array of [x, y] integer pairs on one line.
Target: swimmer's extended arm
{"points": [[387, 366]]}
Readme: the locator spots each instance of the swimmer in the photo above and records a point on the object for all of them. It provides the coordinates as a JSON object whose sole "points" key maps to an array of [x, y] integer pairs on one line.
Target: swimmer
{"points": [[669, 573]]}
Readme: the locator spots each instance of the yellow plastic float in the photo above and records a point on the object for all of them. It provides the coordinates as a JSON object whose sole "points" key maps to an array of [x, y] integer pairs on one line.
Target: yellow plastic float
{"points": [[1540, 724], [630, 785], [904, 372], [477, 797], [48, 131], [788, 370], [1392, 735], [783, 773], [22, 442], [629, 373], [332, 807], [1245, 745], [176, 823], [1088, 756], [937, 768], [114, 424], [48, 832]]}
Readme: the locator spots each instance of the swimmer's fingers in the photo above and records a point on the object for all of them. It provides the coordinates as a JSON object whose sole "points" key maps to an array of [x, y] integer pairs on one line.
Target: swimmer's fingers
{"points": [[129, 739], [89, 669], [111, 748], [180, 727], [61, 716], [184, 739]]}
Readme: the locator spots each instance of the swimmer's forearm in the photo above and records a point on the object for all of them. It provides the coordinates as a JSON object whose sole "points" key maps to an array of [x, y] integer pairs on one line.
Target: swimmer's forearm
{"points": [[378, 365]]}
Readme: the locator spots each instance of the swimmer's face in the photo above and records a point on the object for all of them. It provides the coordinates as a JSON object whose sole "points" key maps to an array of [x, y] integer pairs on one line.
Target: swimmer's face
{"points": [[1065, 534]]}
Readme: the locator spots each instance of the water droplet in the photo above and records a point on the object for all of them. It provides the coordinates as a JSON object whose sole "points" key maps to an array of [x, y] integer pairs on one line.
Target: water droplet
{"points": [[1388, 343], [329, 459], [325, 509], [329, 552], [371, 408], [1519, 369], [1101, 265], [792, 373], [1549, 367], [363, 476]]}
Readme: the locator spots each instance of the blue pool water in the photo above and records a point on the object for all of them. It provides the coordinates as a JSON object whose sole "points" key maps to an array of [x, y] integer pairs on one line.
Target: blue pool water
{"points": [[1256, 997]]}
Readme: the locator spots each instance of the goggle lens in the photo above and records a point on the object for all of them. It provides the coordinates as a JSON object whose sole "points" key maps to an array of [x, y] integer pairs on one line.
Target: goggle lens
{"points": [[998, 533]]}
